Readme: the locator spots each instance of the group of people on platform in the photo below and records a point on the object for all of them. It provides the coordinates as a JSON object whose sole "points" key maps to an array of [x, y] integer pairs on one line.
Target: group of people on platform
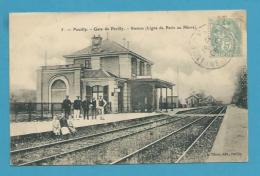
{"points": [[63, 124], [88, 106]]}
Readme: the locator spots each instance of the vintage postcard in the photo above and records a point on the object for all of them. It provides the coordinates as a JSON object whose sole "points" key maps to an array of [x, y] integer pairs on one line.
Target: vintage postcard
{"points": [[128, 87]]}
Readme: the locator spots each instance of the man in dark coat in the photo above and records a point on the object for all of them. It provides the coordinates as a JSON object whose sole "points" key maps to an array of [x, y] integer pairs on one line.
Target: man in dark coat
{"points": [[85, 107], [77, 107], [94, 108], [66, 106]]}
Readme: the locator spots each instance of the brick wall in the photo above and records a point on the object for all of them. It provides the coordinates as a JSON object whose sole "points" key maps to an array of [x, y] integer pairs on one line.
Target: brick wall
{"points": [[125, 66], [95, 62]]}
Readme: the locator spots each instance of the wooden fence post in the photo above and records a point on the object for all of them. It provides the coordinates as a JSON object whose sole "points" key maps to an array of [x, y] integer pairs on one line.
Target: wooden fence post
{"points": [[41, 110], [30, 111], [52, 113]]}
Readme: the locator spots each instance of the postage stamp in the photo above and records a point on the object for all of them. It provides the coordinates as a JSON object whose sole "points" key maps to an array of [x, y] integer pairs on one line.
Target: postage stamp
{"points": [[225, 37], [213, 45]]}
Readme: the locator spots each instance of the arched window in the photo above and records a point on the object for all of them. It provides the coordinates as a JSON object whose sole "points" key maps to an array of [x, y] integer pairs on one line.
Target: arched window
{"points": [[58, 84], [58, 91]]}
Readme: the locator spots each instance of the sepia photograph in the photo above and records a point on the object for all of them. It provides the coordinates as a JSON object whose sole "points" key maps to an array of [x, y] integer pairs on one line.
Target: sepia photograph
{"points": [[128, 87]]}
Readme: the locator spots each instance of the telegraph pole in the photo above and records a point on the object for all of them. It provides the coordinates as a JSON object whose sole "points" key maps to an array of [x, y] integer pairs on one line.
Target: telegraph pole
{"points": [[45, 58], [178, 83]]}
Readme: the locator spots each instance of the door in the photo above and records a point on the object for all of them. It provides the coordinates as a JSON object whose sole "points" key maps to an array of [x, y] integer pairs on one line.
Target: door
{"points": [[58, 91]]}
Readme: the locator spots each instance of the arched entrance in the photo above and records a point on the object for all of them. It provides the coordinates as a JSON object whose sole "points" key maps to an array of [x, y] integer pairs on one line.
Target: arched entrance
{"points": [[58, 89]]}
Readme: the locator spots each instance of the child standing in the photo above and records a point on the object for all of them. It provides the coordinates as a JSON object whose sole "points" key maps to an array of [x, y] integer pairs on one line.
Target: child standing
{"points": [[56, 125], [71, 125]]}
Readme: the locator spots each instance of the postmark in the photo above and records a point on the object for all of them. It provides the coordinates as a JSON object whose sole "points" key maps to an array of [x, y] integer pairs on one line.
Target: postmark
{"points": [[213, 45]]}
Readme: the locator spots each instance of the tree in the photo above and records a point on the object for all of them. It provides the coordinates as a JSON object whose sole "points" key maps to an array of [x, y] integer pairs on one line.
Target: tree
{"points": [[240, 94]]}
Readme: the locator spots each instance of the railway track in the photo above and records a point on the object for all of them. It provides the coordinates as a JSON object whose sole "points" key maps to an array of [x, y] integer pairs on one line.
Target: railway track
{"points": [[205, 110], [82, 137], [175, 132], [33, 140], [41, 154], [55, 151]]}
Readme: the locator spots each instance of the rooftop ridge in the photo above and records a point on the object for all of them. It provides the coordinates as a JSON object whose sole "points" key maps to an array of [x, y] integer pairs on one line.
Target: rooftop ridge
{"points": [[107, 46]]}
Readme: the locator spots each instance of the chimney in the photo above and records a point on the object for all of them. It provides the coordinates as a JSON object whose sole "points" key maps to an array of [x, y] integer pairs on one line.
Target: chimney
{"points": [[124, 42], [96, 40]]}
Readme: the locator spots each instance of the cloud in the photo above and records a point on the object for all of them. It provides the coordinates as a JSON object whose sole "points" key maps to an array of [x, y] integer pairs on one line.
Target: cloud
{"points": [[219, 83], [36, 37]]}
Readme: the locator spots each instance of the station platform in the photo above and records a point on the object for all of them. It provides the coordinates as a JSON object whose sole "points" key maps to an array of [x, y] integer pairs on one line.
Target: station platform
{"points": [[23, 128], [231, 143]]}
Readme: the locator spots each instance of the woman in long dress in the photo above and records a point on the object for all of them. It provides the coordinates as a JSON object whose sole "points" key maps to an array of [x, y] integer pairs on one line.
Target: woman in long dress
{"points": [[71, 125]]}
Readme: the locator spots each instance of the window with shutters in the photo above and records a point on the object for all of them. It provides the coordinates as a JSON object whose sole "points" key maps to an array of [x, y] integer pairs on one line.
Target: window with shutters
{"points": [[88, 63]]}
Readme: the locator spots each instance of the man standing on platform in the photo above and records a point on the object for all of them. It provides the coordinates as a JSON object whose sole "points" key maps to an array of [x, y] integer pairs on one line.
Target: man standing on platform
{"points": [[85, 107], [77, 107], [66, 106], [94, 108], [101, 106]]}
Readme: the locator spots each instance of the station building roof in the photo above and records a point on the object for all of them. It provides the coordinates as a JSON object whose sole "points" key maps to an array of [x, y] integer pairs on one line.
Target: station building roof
{"points": [[98, 74], [105, 48], [158, 83]]}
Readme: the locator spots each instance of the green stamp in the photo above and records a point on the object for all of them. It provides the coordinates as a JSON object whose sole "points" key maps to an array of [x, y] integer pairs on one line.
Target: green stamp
{"points": [[225, 37]]}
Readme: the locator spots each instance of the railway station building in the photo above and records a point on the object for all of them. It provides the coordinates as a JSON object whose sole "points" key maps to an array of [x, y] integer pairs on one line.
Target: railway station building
{"points": [[107, 69], [196, 100]]}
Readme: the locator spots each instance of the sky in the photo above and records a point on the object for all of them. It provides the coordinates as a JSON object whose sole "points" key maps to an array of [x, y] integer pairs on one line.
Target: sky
{"points": [[39, 38]]}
